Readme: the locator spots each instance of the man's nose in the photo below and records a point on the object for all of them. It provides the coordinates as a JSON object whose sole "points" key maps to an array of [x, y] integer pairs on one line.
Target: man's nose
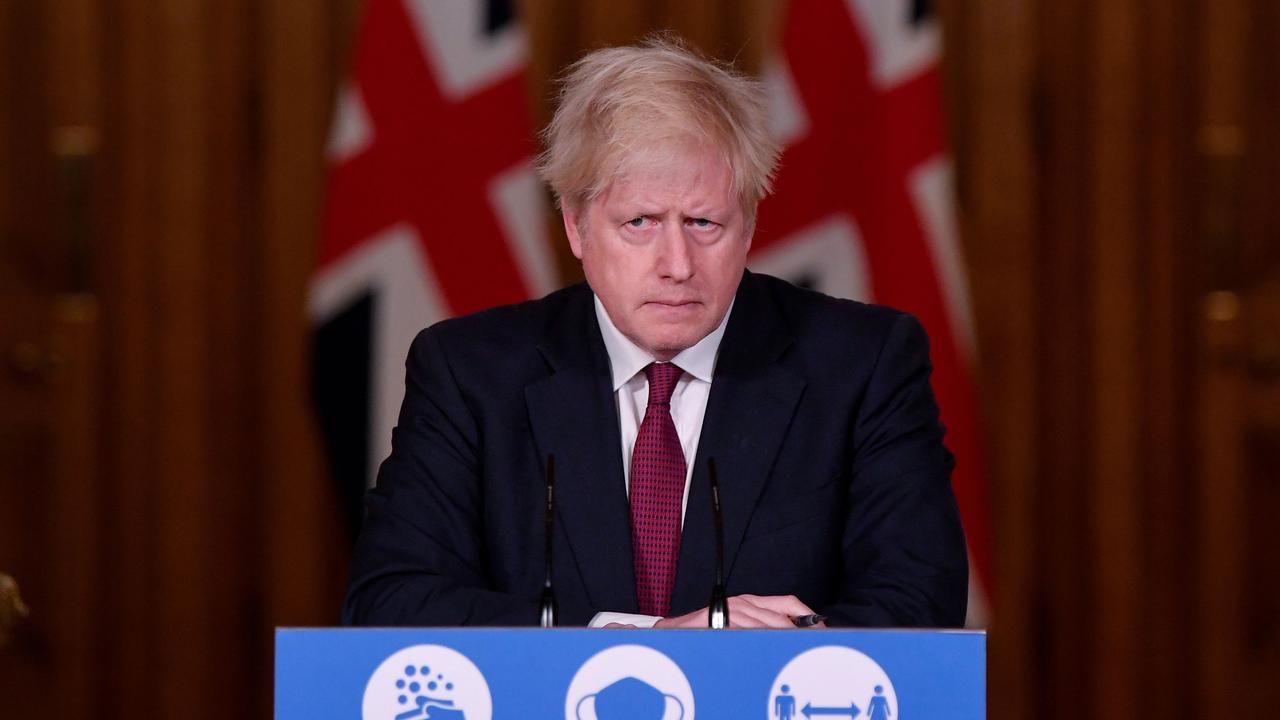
{"points": [[675, 261]]}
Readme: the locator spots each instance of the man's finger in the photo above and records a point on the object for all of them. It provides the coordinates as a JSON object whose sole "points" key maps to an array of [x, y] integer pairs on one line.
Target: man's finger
{"points": [[785, 604], [739, 606], [745, 611], [700, 619], [695, 619], [742, 620]]}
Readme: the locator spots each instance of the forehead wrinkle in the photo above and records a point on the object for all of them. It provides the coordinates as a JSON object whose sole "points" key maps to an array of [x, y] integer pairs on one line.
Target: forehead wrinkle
{"points": [[684, 205], [657, 190]]}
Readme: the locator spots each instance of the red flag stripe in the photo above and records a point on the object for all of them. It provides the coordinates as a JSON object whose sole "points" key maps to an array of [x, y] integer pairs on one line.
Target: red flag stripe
{"points": [[858, 157]]}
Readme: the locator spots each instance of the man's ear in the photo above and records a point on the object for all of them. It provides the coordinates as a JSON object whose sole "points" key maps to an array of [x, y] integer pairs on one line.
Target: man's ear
{"points": [[570, 215]]}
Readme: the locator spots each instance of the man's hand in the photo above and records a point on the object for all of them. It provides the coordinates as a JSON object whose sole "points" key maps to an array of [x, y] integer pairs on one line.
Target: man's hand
{"points": [[748, 611]]}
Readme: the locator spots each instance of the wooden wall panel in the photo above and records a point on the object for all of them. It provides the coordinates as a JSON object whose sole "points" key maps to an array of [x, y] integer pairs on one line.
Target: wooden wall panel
{"points": [[305, 558], [1116, 229], [73, 509], [1165, 336], [1129, 224], [219, 520], [25, 118], [991, 84], [9, 90], [126, 186], [72, 36], [182, 484], [1082, 181], [231, 319], [1238, 243], [1260, 251], [1221, 142], [1064, 589]]}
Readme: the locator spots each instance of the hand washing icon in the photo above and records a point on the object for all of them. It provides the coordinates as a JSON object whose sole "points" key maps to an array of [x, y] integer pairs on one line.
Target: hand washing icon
{"points": [[630, 699], [427, 682]]}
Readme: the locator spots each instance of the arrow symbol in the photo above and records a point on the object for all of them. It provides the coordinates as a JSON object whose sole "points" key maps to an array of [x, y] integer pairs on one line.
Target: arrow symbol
{"points": [[809, 710]]}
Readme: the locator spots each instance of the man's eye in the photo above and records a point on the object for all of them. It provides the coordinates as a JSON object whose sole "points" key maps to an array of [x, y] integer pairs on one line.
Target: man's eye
{"points": [[636, 222], [702, 223]]}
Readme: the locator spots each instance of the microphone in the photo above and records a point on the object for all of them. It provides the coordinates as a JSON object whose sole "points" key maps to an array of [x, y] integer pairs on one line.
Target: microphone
{"points": [[548, 605], [718, 608]]}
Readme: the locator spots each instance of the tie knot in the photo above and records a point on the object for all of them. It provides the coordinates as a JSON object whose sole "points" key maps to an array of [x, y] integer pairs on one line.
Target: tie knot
{"points": [[662, 381]]}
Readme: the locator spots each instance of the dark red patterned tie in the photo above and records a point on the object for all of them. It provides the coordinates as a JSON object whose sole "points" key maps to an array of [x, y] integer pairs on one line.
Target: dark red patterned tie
{"points": [[657, 488]]}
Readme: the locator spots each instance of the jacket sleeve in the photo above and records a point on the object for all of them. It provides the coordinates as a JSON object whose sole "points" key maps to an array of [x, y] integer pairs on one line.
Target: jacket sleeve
{"points": [[904, 554], [420, 556]]}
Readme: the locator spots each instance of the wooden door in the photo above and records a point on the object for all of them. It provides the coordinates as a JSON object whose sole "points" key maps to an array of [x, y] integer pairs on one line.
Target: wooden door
{"points": [[48, 359], [49, 510], [162, 505], [1239, 364]]}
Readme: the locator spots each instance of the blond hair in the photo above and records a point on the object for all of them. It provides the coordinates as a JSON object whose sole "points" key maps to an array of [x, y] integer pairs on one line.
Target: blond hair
{"points": [[617, 105]]}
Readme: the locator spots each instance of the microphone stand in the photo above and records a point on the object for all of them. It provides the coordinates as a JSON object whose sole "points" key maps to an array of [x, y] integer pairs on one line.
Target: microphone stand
{"points": [[718, 609], [548, 605]]}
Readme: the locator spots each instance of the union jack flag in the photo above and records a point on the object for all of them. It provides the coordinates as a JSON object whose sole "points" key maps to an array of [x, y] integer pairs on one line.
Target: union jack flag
{"points": [[863, 202], [432, 209]]}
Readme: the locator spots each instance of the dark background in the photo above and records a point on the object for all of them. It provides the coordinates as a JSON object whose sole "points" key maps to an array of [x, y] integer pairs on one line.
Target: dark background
{"points": [[163, 501]]}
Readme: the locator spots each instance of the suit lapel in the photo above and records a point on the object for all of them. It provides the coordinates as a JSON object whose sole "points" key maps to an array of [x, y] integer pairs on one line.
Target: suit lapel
{"points": [[752, 401], [573, 416]]}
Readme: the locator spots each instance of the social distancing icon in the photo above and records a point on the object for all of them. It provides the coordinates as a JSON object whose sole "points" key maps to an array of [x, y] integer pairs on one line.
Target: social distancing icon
{"points": [[832, 682]]}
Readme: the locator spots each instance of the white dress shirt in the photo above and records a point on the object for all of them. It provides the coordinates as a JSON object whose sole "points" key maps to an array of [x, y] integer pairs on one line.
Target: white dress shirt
{"points": [[631, 397]]}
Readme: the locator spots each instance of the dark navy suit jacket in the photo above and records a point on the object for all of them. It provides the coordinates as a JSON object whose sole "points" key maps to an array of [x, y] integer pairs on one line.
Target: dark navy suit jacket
{"points": [[834, 481]]}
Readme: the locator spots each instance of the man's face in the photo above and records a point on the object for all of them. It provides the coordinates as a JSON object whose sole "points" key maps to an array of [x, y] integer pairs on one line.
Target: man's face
{"points": [[664, 249]]}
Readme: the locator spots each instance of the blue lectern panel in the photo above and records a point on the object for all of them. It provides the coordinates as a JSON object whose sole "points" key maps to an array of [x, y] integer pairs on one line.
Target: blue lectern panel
{"points": [[474, 674]]}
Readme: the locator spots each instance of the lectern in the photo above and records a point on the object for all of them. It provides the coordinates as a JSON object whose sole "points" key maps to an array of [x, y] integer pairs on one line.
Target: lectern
{"points": [[479, 674]]}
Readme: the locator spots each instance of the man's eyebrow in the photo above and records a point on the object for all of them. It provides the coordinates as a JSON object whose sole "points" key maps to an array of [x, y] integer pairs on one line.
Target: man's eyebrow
{"points": [[707, 211], [632, 209]]}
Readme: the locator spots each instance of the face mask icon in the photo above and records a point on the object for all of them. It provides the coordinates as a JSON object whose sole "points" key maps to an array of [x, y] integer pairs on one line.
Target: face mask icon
{"points": [[630, 699]]}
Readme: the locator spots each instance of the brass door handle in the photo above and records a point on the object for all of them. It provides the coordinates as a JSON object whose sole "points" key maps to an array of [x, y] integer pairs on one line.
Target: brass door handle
{"points": [[12, 609]]}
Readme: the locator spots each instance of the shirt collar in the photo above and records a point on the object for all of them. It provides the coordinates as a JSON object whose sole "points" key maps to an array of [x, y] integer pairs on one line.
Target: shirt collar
{"points": [[626, 358]]}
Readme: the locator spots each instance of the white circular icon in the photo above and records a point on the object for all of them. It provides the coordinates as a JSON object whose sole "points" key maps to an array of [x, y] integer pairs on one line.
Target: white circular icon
{"points": [[629, 682], [832, 681], [427, 682]]}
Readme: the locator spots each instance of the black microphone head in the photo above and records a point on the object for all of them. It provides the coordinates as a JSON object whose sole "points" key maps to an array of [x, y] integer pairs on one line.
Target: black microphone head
{"points": [[718, 608], [547, 608], [547, 611]]}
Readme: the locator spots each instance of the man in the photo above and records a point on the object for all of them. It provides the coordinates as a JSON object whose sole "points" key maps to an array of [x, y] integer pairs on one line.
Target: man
{"points": [[833, 478]]}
